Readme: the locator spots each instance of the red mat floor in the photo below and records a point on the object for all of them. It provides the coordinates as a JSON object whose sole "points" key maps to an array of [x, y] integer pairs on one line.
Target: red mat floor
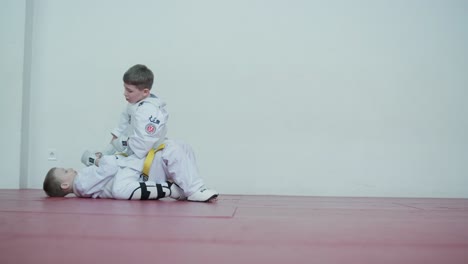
{"points": [[235, 229]]}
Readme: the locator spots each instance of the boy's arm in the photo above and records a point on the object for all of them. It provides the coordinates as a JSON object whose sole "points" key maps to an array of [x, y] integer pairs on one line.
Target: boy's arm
{"points": [[122, 127], [124, 122], [93, 179]]}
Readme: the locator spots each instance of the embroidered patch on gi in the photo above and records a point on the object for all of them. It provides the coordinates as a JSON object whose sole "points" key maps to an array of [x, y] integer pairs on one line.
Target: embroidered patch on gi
{"points": [[150, 129], [154, 120]]}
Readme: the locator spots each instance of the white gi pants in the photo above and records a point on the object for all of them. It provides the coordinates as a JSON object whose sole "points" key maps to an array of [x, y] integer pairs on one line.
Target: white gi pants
{"points": [[176, 162]]}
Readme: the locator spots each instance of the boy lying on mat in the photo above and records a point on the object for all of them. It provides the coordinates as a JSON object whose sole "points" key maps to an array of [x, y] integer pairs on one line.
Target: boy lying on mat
{"points": [[171, 172]]}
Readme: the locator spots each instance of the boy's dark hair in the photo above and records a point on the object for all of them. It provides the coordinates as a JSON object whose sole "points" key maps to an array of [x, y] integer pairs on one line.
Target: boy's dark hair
{"points": [[52, 185], [140, 76]]}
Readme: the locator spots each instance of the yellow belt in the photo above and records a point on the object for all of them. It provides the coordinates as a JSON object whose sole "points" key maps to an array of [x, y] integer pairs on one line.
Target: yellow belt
{"points": [[149, 160]]}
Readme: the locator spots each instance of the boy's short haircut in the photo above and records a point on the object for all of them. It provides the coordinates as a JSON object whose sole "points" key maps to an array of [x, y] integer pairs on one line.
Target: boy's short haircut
{"points": [[140, 76], [52, 185]]}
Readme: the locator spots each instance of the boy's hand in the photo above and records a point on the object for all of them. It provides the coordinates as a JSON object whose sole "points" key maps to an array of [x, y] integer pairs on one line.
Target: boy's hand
{"points": [[90, 157], [120, 144]]}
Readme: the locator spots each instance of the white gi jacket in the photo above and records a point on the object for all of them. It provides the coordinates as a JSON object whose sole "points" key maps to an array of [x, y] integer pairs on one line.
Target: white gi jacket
{"points": [[145, 124], [96, 181], [114, 178]]}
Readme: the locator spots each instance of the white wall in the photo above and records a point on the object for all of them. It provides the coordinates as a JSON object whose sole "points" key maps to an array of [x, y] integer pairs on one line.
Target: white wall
{"points": [[345, 98], [12, 31]]}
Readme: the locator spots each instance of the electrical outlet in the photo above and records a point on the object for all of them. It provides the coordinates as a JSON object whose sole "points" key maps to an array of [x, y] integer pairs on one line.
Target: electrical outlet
{"points": [[52, 154]]}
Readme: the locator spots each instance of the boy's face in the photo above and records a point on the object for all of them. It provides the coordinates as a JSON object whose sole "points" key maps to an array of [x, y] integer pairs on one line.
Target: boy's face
{"points": [[65, 175], [133, 94]]}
